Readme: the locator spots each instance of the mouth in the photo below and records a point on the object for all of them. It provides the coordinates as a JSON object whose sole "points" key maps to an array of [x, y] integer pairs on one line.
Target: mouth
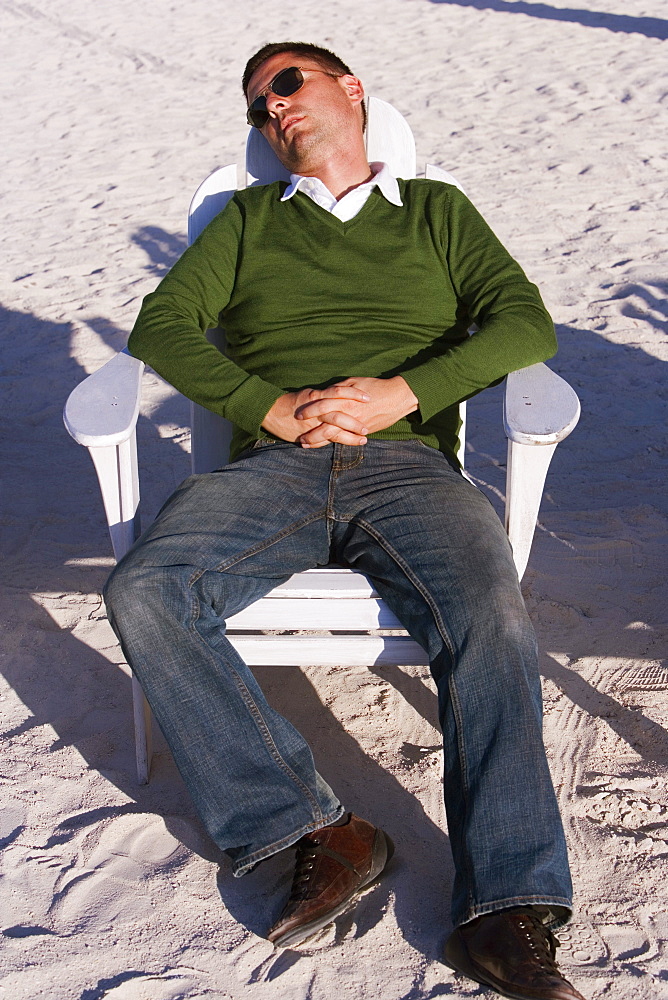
{"points": [[288, 122]]}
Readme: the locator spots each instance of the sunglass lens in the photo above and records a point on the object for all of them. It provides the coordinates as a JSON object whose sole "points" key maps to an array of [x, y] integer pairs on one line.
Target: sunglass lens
{"points": [[288, 82], [285, 84], [257, 113]]}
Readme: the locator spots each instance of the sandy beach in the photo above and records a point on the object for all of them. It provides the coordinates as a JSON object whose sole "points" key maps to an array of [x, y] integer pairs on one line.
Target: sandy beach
{"points": [[554, 120]]}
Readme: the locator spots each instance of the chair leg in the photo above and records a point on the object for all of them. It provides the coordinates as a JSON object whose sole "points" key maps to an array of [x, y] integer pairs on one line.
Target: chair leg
{"points": [[525, 478], [116, 467], [143, 732]]}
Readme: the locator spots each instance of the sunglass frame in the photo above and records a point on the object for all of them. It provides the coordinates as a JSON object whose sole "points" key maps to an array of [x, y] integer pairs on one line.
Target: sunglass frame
{"points": [[259, 110]]}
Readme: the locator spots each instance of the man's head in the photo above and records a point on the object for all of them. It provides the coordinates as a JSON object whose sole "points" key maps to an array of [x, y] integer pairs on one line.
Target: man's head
{"points": [[324, 58], [316, 109]]}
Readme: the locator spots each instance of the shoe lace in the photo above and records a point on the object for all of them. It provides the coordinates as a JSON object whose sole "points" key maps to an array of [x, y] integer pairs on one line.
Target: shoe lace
{"points": [[307, 853], [541, 940], [308, 849]]}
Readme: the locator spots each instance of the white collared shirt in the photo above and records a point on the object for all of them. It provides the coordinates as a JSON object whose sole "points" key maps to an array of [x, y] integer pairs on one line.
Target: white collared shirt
{"points": [[349, 205]]}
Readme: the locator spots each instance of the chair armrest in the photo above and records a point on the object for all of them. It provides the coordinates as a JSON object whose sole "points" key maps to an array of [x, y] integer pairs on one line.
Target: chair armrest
{"points": [[539, 407], [103, 409], [101, 414]]}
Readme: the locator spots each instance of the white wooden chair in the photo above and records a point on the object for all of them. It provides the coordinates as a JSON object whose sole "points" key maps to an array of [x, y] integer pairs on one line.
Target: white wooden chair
{"points": [[540, 409]]}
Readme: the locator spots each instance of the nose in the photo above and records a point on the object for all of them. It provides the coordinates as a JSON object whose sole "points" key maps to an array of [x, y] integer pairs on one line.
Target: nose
{"points": [[276, 104]]}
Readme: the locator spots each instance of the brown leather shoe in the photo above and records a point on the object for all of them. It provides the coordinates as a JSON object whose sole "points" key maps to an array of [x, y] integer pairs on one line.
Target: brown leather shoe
{"points": [[513, 952], [332, 865]]}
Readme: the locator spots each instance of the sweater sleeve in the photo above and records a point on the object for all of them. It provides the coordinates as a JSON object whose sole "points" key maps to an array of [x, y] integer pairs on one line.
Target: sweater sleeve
{"points": [[515, 329], [170, 331]]}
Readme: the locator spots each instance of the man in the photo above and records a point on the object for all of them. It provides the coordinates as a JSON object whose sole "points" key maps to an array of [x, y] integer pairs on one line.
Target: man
{"points": [[346, 298]]}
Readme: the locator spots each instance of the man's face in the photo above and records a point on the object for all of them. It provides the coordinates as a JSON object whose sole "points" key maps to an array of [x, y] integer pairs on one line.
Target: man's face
{"points": [[317, 121]]}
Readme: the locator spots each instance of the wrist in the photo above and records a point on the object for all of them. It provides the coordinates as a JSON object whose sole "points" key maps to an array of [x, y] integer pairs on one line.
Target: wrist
{"points": [[275, 417], [410, 402]]}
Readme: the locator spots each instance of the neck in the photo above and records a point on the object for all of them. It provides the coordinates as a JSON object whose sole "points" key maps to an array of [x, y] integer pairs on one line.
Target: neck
{"points": [[339, 174], [341, 181]]}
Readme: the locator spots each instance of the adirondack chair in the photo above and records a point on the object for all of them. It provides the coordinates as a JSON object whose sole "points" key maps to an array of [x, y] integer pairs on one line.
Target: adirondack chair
{"points": [[540, 409]]}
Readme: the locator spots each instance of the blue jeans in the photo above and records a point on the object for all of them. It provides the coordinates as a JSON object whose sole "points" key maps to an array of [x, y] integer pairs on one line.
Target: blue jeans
{"points": [[437, 553]]}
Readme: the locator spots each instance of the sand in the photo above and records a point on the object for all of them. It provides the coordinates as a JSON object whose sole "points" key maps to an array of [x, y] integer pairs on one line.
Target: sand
{"points": [[554, 119]]}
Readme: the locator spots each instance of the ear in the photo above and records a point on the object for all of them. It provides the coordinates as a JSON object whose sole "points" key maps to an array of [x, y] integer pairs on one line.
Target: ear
{"points": [[353, 87]]}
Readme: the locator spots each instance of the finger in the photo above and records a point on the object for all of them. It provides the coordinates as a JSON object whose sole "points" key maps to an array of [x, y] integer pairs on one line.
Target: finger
{"points": [[319, 408], [340, 391], [345, 437], [329, 434], [343, 420]]}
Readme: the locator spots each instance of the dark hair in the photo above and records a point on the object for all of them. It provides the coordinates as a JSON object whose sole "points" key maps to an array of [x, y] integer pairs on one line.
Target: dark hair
{"points": [[328, 60]]}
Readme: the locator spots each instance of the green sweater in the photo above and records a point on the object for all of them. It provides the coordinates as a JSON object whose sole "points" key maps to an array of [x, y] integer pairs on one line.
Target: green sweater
{"points": [[308, 300]]}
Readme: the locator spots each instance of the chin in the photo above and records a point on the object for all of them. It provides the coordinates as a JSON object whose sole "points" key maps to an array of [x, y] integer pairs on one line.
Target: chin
{"points": [[298, 156]]}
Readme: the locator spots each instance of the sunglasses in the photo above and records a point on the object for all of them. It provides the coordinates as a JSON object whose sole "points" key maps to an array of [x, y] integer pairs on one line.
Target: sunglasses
{"points": [[284, 84]]}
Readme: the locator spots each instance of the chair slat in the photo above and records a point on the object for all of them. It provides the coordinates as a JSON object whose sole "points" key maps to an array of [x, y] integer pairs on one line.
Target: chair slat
{"points": [[327, 651], [210, 198], [389, 138], [320, 583], [343, 613]]}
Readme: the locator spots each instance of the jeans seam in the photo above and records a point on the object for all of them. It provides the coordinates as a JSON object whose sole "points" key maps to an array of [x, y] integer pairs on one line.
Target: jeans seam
{"points": [[339, 465], [254, 550], [459, 722], [337, 468], [440, 625], [257, 716], [331, 516], [424, 592]]}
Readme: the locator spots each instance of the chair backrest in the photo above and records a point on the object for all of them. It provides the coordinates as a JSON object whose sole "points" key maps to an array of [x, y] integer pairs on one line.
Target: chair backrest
{"points": [[388, 138]]}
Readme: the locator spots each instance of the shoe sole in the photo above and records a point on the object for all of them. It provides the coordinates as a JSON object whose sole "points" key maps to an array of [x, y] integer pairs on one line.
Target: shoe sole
{"points": [[460, 961], [381, 852]]}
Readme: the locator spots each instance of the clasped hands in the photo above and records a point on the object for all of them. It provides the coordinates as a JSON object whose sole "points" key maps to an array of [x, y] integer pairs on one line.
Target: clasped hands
{"points": [[343, 413]]}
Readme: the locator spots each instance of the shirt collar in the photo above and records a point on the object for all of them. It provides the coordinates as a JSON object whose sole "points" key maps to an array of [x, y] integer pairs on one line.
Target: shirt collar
{"points": [[383, 179]]}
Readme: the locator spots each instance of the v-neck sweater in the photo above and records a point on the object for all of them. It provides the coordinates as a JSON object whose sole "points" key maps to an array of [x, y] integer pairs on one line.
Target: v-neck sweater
{"points": [[308, 300]]}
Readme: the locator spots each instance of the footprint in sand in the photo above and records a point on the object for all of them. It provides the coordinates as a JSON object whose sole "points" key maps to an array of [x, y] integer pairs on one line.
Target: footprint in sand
{"points": [[172, 985], [126, 868], [633, 808], [580, 944]]}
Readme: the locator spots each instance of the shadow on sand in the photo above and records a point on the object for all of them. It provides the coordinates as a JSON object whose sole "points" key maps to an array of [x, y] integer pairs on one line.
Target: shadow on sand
{"points": [[651, 27]]}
